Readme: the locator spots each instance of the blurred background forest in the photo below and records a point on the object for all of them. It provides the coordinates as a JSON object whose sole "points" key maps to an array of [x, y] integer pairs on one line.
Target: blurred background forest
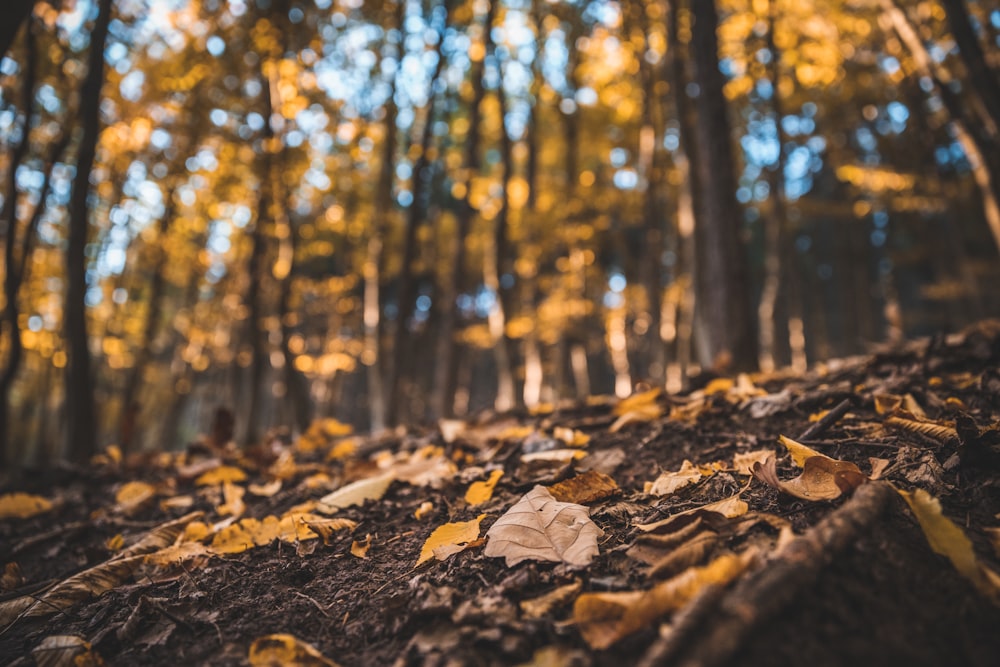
{"points": [[391, 211]]}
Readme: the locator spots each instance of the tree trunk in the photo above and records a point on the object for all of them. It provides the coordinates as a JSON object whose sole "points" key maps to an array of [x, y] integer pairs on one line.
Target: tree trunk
{"points": [[407, 291], [81, 419], [983, 79], [372, 315], [14, 267], [17, 13], [722, 272]]}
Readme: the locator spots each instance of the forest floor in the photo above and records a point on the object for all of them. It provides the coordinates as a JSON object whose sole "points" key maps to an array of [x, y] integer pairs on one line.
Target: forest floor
{"points": [[743, 548]]}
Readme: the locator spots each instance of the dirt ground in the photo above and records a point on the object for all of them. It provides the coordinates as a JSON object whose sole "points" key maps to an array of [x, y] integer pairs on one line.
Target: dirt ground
{"points": [[855, 580]]}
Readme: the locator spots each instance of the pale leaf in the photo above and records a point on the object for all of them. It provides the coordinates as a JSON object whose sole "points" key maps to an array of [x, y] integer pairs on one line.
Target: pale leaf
{"points": [[356, 493], [538, 527], [798, 451], [743, 462], [671, 482]]}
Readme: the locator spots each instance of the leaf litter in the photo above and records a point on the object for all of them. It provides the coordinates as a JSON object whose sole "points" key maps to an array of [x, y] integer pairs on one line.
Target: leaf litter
{"points": [[311, 553]]}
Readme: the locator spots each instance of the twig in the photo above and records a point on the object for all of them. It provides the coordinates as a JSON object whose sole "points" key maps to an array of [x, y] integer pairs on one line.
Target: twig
{"points": [[828, 420], [322, 609]]}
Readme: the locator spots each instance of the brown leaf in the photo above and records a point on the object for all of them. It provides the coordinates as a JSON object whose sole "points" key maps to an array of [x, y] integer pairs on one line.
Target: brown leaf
{"points": [[284, 650], [65, 650], [585, 488], [822, 478], [933, 430], [605, 618], [539, 527], [543, 604], [670, 482]]}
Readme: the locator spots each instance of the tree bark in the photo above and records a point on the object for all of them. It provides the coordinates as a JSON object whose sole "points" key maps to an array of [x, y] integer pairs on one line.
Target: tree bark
{"points": [[13, 266], [81, 418], [984, 80], [722, 272], [17, 13], [407, 291]]}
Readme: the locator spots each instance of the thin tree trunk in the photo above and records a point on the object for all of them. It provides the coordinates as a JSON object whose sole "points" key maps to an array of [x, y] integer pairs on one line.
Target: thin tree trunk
{"points": [[446, 380], [81, 418], [722, 273], [407, 291], [17, 13], [14, 267], [372, 314]]}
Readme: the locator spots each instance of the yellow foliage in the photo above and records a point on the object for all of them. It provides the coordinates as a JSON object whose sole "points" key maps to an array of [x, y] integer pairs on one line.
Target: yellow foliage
{"points": [[22, 505]]}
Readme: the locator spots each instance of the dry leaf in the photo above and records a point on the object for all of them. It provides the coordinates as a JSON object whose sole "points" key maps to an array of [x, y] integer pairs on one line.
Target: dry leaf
{"points": [[585, 488], [115, 543], [539, 527], [132, 496], [177, 503], [65, 650], [356, 493], [265, 490], [327, 527], [284, 650], [161, 536], [179, 553], [481, 492], [456, 534], [451, 429], [22, 505], [878, 467], [948, 540], [428, 466], [554, 455], [934, 430], [688, 554], [221, 475], [424, 509], [671, 482], [605, 618], [743, 462], [543, 604], [11, 577], [233, 504], [798, 451], [822, 478], [726, 508], [636, 408], [360, 549], [570, 437]]}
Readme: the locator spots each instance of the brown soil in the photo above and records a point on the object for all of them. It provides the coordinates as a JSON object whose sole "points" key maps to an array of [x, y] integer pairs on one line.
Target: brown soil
{"points": [[875, 594]]}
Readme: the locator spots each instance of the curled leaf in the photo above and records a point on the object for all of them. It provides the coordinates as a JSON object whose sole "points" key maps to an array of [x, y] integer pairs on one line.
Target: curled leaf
{"points": [[671, 482], [800, 453], [356, 493], [822, 478]]}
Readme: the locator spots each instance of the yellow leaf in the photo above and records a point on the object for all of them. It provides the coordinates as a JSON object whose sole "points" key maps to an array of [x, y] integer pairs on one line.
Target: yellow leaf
{"points": [[719, 386], [743, 462], [221, 475], [481, 492], [587, 487], [515, 433], [284, 650], [22, 505], [133, 495], [423, 510], [178, 553], [457, 533], [570, 436], [556, 455], [637, 402], [543, 604], [728, 508], [798, 451], [605, 618], [356, 493], [360, 548], [327, 527], [948, 540], [115, 543], [342, 449]]}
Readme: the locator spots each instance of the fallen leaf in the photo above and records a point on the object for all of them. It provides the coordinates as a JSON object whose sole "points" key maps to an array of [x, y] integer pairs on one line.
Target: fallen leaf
{"points": [[455, 534], [65, 650], [160, 536], [878, 467], [570, 436], [480, 492], [356, 493], [798, 451], [641, 407], [359, 548], [178, 553], [743, 462], [11, 577], [22, 505], [671, 482], [585, 488], [948, 540], [422, 511], [177, 502], [284, 650], [132, 496], [265, 490], [554, 455], [115, 543], [220, 475], [718, 386], [539, 527], [450, 429], [233, 504], [822, 478], [428, 466], [343, 449], [727, 508], [605, 618], [934, 430], [325, 528], [543, 604]]}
